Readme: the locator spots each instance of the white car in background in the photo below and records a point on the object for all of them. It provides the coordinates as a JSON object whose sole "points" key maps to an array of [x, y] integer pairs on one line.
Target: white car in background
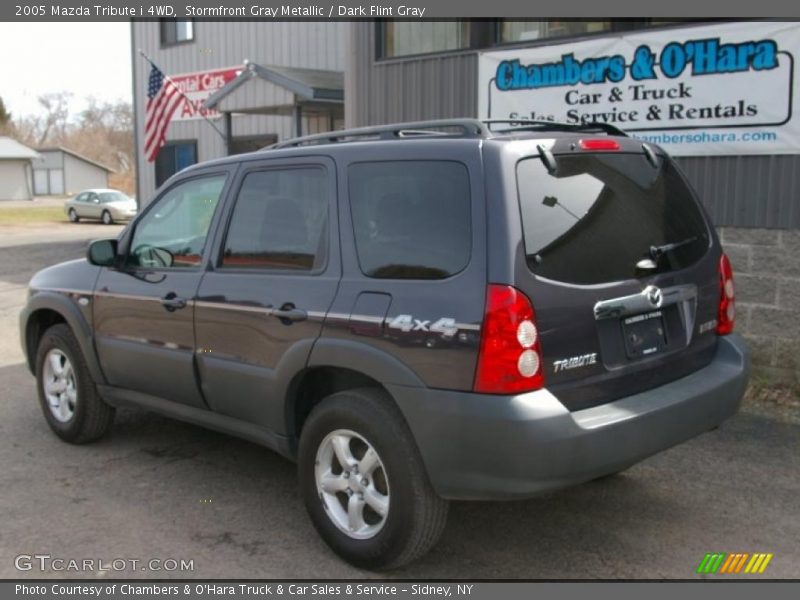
{"points": [[106, 205]]}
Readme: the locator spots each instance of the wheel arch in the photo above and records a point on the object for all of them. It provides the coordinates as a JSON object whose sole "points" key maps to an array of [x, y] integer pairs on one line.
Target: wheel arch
{"points": [[47, 309], [337, 365]]}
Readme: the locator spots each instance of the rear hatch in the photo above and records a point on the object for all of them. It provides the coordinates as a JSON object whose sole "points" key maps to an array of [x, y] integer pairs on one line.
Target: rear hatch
{"points": [[621, 266]]}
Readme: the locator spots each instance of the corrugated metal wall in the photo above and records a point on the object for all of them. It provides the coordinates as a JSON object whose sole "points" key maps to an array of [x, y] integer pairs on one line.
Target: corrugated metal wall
{"points": [[748, 191], [745, 191], [80, 175], [405, 90], [305, 44]]}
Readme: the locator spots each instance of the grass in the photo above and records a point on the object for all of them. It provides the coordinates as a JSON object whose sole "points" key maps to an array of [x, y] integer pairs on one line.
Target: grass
{"points": [[31, 215]]}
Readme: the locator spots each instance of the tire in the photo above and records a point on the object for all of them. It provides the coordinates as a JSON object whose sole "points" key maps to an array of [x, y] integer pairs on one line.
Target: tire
{"points": [[71, 405], [415, 516], [73, 216], [107, 218]]}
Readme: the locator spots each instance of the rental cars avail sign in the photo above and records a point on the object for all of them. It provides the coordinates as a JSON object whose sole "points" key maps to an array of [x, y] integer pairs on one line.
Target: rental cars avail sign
{"points": [[711, 90], [196, 88]]}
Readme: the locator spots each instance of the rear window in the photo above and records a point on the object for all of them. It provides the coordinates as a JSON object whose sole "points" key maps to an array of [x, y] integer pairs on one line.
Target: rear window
{"points": [[599, 215], [411, 218]]}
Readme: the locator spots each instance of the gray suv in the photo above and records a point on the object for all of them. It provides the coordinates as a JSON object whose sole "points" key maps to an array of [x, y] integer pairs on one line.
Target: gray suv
{"points": [[413, 313]]}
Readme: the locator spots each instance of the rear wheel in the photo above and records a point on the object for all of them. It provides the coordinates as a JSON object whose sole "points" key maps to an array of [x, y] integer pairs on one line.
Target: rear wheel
{"points": [[71, 405], [73, 216], [107, 218], [364, 484]]}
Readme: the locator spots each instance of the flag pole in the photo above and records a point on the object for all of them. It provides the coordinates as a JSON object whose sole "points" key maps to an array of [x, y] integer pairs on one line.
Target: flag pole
{"points": [[180, 91]]}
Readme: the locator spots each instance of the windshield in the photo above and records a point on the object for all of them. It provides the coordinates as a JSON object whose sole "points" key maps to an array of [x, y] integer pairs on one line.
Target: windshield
{"points": [[599, 215], [106, 197]]}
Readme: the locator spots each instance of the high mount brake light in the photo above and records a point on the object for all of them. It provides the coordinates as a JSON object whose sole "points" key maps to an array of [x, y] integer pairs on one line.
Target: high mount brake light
{"points": [[726, 315], [510, 357], [599, 144]]}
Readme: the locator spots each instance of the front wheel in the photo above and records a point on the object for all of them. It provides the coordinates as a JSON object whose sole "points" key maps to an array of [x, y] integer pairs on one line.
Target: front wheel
{"points": [[364, 484], [71, 405], [107, 218], [73, 216]]}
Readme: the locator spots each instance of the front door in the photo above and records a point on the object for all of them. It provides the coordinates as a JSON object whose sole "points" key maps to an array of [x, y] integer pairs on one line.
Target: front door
{"points": [[261, 305], [143, 311]]}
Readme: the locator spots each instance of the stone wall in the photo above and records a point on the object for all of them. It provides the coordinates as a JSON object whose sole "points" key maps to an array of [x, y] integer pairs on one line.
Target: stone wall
{"points": [[766, 270]]}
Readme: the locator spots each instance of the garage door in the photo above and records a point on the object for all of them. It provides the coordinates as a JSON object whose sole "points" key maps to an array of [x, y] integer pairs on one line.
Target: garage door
{"points": [[56, 181], [40, 182]]}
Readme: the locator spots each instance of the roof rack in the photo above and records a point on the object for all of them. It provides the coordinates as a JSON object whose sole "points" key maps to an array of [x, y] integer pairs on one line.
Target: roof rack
{"points": [[441, 128], [542, 125], [462, 128]]}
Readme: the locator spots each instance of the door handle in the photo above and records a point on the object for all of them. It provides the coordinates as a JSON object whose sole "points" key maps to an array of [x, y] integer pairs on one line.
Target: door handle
{"points": [[289, 314], [172, 302]]}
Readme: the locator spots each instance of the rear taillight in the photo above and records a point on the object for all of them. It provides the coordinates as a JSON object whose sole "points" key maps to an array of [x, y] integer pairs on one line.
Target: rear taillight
{"points": [[510, 358], [727, 297]]}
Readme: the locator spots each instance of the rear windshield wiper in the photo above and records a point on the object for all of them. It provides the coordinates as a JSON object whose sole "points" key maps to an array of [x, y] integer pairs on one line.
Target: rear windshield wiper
{"points": [[657, 252]]}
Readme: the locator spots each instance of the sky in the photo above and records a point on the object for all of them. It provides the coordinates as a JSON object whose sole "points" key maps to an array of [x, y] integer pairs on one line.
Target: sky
{"points": [[86, 59]]}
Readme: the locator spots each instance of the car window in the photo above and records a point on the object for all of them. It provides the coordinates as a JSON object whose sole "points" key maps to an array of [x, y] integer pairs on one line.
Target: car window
{"points": [[173, 232], [411, 218], [279, 221], [598, 215], [81, 197], [107, 197]]}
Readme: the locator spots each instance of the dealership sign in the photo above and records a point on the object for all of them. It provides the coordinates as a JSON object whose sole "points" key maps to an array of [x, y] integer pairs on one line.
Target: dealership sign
{"points": [[197, 87], [722, 89]]}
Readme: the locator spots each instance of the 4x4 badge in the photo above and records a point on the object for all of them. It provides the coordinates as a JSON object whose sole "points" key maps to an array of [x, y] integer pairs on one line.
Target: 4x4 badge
{"points": [[653, 295]]}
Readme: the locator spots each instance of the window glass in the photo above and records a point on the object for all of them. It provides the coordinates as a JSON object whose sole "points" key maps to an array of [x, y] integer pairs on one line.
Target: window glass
{"points": [[401, 38], [599, 215], [522, 31], [411, 218], [184, 31], [175, 32], [279, 221], [173, 233], [107, 197]]}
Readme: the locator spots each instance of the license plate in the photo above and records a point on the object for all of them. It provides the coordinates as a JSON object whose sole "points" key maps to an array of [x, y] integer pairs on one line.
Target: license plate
{"points": [[644, 334]]}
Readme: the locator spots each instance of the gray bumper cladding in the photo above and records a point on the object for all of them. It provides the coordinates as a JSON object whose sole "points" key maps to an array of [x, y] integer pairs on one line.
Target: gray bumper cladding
{"points": [[493, 447]]}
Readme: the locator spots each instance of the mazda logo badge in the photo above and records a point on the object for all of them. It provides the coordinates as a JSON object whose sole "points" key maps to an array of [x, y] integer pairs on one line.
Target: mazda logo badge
{"points": [[654, 295]]}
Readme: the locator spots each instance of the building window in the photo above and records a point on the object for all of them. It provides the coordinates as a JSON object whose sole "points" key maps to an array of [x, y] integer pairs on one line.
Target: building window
{"points": [[526, 31], [404, 38], [176, 32], [173, 157]]}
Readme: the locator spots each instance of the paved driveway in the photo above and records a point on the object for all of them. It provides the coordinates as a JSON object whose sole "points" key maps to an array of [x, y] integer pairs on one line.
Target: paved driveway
{"points": [[160, 489]]}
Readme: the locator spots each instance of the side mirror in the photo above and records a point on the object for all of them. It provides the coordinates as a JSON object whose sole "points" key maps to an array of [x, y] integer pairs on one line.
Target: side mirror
{"points": [[102, 253]]}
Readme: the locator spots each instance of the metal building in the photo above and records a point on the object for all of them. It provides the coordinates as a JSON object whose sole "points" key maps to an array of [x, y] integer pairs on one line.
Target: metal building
{"points": [[266, 80], [15, 170], [58, 172]]}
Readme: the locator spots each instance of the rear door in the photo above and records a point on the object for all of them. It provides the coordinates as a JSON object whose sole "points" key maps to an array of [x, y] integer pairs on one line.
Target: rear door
{"points": [[276, 269], [617, 259]]}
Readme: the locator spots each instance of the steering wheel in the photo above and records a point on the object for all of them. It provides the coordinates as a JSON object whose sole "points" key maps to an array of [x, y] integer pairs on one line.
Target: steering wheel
{"points": [[153, 256]]}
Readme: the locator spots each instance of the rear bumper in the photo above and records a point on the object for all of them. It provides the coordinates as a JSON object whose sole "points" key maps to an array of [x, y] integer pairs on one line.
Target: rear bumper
{"points": [[493, 447]]}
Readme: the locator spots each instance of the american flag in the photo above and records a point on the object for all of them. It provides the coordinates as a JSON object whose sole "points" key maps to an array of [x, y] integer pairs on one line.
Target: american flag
{"points": [[163, 97]]}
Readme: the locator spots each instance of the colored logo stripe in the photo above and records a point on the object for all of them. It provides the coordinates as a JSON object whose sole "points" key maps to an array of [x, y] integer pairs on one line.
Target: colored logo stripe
{"points": [[722, 563]]}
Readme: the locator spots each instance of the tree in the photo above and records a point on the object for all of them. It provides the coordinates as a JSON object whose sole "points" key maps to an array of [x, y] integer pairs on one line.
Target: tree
{"points": [[56, 116], [5, 118]]}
